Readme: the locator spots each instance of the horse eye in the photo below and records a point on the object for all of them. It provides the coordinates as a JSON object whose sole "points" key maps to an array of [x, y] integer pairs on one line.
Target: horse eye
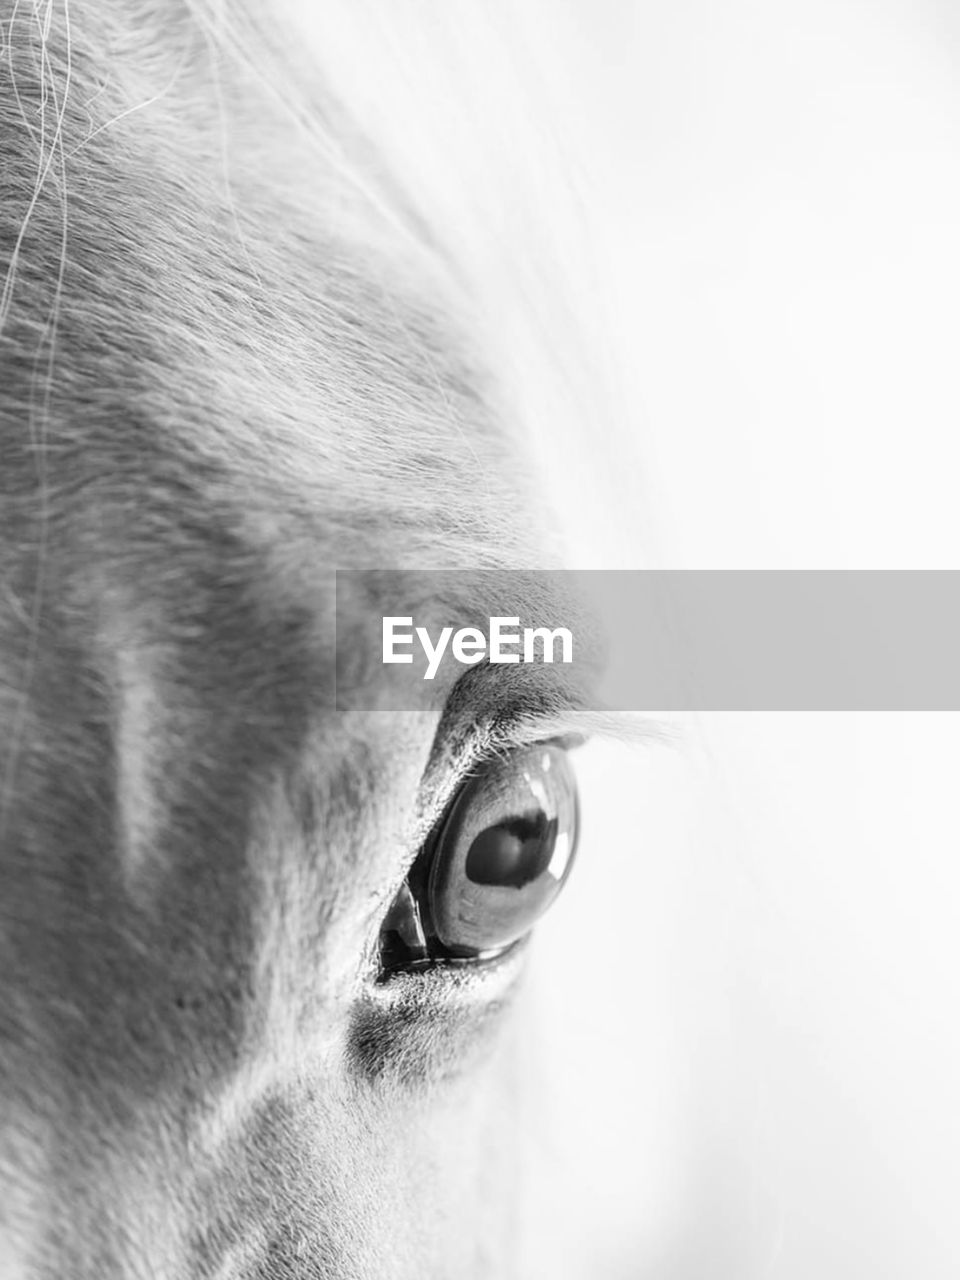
{"points": [[498, 859], [503, 851]]}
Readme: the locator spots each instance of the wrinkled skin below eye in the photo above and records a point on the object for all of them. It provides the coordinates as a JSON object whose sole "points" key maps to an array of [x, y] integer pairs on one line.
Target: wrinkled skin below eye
{"points": [[497, 861]]}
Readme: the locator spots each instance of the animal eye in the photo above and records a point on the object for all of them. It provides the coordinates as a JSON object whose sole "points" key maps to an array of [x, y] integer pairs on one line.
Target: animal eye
{"points": [[495, 863]]}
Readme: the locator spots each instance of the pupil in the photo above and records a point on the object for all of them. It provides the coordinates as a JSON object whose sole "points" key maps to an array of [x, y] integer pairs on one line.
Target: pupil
{"points": [[513, 853]]}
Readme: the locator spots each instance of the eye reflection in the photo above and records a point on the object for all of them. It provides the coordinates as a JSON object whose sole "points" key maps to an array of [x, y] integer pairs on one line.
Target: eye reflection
{"points": [[496, 862], [513, 853]]}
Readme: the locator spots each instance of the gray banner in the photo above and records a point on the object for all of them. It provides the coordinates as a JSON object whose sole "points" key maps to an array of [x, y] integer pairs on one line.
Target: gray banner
{"points": [[655, 641]]}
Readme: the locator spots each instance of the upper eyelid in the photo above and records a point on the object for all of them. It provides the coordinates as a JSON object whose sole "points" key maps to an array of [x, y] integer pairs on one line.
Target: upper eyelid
{"points": [[457, 755], [500, 749]]}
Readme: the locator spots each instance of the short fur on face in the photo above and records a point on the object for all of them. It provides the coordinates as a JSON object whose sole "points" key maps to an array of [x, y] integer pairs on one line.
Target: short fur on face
{"points": [[233, 358]]}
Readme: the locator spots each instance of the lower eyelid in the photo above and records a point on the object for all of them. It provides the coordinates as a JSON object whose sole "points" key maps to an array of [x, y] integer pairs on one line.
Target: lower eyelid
{"points": [[450, 962], [427, 1025]]}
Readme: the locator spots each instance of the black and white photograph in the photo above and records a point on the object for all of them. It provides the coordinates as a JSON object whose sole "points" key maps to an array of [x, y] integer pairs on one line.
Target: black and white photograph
{"points": [[479, 640]]}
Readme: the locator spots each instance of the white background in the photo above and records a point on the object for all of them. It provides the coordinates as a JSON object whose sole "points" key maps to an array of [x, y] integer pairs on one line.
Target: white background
{"points": [[748, 995]]}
